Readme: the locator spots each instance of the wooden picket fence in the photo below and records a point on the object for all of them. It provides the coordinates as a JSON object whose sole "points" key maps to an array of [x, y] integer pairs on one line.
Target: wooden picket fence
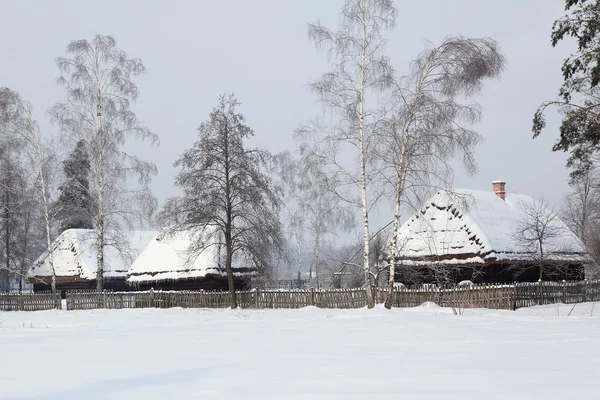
{"points": [[148, 299], [29, 301], [532, 294], [508, 297], [476, 296], [333, 298]]}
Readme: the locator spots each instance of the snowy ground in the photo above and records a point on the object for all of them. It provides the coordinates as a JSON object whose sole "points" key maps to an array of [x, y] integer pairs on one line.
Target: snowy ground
{"points": [[422, 353]]}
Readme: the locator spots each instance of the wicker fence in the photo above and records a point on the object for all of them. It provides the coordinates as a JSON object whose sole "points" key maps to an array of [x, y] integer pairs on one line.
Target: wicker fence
{"points": [[508, 297]]}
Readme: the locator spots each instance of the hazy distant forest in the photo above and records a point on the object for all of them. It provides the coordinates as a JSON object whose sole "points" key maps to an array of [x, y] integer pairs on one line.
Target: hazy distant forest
{"points": [[389, 132]]}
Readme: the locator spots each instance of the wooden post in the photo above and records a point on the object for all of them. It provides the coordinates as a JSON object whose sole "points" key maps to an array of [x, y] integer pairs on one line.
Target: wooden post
{"points": [[256, 298], [21, 304], [312, 296], [513, 306], [152, 298]]}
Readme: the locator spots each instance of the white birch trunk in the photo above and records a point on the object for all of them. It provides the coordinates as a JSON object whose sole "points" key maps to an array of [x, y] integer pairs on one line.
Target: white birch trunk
{"points": [[363, 174], [317, 255], [396, 223], [100, 219], [401, 174], [299, 252], [100, 240], [47, 223], [44, 192]]}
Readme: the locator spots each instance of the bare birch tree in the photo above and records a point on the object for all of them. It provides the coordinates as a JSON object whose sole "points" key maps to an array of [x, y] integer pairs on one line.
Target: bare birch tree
{"points": [[228, 198], [592, 246], [431, 121], [30, 239], [343, 263], [542, 238], [11, 184], [98, 78], [581, 212], [581, 207], [289, 173], [316, 210], [359, 72], [8, 174], [26, 129], [326, 214]]}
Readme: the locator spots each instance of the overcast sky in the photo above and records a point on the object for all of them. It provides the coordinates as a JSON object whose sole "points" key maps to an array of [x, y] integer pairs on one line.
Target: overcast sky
{"points": [[258, 49]]}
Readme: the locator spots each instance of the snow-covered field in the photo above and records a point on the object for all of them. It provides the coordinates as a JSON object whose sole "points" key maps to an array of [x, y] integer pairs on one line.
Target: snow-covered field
{"points": [[421, 353]]}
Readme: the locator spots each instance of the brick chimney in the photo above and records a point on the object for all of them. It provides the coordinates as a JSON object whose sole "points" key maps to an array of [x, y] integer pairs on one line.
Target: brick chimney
{"points": [[499, 189]]}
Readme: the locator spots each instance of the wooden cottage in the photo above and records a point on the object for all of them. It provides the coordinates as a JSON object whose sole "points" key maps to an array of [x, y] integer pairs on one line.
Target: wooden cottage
{"points": [[473, 235], [167, 264], [74, 257]]}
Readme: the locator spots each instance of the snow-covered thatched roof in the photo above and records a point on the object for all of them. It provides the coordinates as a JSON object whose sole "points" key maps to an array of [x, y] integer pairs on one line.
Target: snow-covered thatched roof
{"points": [[184, 255], [74, 254], [475, 227], [167, 257]]}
